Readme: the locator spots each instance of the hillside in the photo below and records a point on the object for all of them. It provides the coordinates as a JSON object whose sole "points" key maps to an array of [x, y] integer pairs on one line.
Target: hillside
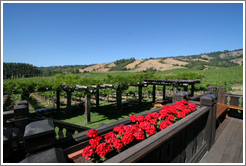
{"points": [[161, 64]]}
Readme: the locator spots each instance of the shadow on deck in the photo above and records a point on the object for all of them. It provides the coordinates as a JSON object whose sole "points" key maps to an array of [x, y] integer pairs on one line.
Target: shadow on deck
{"points": [[228, 146]]}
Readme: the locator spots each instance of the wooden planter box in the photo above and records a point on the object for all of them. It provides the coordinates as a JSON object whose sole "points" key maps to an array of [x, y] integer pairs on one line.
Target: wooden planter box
{"points": [[184, 141]]}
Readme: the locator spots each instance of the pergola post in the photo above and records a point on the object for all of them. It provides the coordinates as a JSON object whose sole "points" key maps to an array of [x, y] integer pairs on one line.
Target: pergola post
{"points": [[119, 100], [87, 108], [185, 88], [69, 102], [164, 93], [97, 98], [153, 93], [140, 95], [192, 89], [58, 99]]}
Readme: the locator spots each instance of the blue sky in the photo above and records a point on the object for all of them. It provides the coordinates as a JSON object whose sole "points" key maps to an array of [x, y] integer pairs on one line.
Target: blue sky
{"points": [[53, 34]]}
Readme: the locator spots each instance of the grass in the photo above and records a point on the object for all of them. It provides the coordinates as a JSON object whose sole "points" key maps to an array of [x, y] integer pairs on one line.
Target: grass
{"points": [[105, 114]]}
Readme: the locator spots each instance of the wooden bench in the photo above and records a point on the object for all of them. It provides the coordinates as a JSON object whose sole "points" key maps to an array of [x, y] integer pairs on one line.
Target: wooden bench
{"points": [[44, 110], [235, 107], [223, 108]]}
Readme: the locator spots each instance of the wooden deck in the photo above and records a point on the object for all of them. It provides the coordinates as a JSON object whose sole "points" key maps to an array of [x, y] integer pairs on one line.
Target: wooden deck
{"points": [[228, 146]]}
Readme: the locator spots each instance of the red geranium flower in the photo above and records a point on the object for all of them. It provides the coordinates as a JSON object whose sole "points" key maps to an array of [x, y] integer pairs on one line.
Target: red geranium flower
{"points": [[155, 115], [151, 130], [184, 101], [133, 118], [181, 114], [147, 118], [127, 138], [110, 141], [120, 129], [117, 144], [165, 124], [88, 152], [140, 118], [110, 135], [139, 134], [144, 125], [186, 111], [95, 141], [170, 117], [180, 106], [153, 121], [192, 106], [162, 113], [92, 133], [102, 149]]}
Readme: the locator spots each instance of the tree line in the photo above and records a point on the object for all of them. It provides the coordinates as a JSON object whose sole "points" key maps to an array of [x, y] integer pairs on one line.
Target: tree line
{"points": [[20, 70]]}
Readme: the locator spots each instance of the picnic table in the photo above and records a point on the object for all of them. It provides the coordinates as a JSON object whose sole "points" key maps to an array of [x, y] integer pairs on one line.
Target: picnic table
{"points": [[125, 104], [159, 103], [45, 110]]}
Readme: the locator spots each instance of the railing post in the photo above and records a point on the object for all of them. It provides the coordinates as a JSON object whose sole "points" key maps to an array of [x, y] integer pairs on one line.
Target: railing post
{"points": [[221, 95], [19, 120], [210, 100], [181, 95], [39, 135], [175, 90], [24, 102], [211, 89]]}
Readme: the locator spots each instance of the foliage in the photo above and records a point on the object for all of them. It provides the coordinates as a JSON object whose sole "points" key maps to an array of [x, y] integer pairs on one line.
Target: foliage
{"points": [[150, 70], [120, 64]]}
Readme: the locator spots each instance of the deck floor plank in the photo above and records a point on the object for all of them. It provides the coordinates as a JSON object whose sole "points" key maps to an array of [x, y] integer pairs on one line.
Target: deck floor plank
{"points": [[233, 149], [221, 128], [222, 145], [240, 160]]}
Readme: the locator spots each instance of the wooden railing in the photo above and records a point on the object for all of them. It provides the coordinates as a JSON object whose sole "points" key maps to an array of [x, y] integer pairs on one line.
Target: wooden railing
{"points": [[234, 99], [63, 129]]}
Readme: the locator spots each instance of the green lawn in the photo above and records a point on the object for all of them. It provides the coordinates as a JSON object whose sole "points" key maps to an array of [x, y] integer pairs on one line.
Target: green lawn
{"points": [[105, 114]]}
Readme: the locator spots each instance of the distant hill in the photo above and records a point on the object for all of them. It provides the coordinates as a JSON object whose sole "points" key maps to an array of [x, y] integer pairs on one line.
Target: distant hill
{"points": [[202, 61]]}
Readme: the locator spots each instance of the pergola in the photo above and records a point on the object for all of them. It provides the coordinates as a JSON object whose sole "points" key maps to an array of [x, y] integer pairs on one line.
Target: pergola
{"points": [[154, 82], [175, 83]]}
